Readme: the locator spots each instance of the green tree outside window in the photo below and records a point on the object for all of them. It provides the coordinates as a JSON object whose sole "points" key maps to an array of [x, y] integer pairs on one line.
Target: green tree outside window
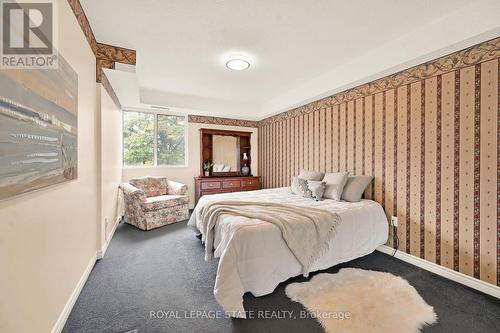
{"points": [[171, 140], [139, 139]]}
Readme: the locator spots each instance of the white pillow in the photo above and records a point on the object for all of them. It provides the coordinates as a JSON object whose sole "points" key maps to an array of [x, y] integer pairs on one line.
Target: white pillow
{"points": [[335, 183], [217, 167], [354, 187], [311, 175]]}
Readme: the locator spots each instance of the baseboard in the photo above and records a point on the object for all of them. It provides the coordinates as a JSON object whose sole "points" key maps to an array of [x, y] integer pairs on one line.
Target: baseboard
{"points": [[102, 252], [461, 278], [63, 317], [61, 321]]}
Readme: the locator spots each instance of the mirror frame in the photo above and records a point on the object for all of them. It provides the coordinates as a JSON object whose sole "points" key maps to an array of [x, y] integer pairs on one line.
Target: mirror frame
{"points": [[206, 150]]}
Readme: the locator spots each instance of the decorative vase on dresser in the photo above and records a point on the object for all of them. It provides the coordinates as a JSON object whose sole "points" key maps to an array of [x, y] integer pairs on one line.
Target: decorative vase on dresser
{"points": [[245, 170]]}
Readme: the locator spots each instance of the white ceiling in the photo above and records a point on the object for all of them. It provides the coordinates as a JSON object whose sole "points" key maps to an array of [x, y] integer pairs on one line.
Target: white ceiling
{"points": [[300, 50]]}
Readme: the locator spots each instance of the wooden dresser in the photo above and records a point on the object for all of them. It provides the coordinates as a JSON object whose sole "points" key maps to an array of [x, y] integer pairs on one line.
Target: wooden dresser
{"points": [[212, 185]]}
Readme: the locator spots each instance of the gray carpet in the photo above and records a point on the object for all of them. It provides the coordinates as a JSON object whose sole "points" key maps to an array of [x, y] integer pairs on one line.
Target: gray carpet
{"points": [[164, 270]]}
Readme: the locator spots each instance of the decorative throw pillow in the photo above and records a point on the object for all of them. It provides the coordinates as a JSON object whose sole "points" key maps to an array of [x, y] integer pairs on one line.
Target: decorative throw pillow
{"points": [[152, 186], [299, 187], [317, 188], [311, 175], [354, 187], [335, 184]]}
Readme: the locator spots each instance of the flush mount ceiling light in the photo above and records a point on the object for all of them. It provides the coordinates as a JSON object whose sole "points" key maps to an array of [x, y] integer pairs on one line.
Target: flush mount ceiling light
{"points": [[237, 64]]}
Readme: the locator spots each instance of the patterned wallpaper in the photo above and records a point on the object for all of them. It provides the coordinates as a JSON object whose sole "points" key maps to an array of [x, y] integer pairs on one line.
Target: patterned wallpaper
{"points": [[430, 136]]}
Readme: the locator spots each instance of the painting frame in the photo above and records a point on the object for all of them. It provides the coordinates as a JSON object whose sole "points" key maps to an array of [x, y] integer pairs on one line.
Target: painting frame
{"points": [[38, 128]]}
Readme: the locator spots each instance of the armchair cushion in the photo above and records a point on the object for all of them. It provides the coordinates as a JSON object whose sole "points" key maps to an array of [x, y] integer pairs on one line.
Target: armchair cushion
{"points": [[164, 201], [133, 193], [152, 186], [175, 188]]}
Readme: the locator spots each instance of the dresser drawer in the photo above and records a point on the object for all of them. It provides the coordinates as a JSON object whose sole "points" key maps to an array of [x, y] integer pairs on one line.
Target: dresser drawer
{"points": [[214, 185], [231, 184], [210, 185], [250, 183], [202, 193], [250, 188]]}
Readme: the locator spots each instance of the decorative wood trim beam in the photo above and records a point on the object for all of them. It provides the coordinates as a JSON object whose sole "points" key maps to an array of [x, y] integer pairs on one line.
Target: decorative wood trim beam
{"points": [[77, 8], [222, 121], [470, 56], [115, 53], [106, 55]]}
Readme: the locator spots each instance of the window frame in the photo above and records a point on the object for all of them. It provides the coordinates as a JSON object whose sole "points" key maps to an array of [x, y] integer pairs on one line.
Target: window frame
{"points": [[155, 141]]}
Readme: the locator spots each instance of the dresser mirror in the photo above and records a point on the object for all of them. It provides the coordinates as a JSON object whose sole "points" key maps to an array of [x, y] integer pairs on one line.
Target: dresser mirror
{"points": [[226, 153]]}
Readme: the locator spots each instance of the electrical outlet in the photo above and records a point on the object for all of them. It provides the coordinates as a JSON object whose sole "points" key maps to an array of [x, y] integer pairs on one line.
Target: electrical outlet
{"points": [[394, 221]]}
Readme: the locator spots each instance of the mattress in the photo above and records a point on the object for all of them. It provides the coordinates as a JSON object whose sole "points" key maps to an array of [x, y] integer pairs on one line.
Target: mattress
{"points": [[254, 257]]}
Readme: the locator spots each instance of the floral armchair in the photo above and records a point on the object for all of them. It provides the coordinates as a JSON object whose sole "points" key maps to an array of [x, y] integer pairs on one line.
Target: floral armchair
{"points": [[152, 202]]}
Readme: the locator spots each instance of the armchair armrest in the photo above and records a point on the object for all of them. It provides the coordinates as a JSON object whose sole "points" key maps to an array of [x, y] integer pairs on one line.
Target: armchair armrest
{"points": [[176, 188], [133, 192]]}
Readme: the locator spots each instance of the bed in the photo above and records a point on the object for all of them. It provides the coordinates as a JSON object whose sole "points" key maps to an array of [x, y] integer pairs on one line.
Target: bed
{"points": [[254, 257]]}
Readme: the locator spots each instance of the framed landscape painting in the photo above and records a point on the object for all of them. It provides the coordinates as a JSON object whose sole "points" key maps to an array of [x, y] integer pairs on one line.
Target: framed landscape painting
{"points": [[38, 128]]}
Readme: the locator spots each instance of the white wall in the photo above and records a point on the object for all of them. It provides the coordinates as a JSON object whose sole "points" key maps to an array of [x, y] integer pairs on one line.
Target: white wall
{"points": [[186, 175], [110, 168], [48, 237]]}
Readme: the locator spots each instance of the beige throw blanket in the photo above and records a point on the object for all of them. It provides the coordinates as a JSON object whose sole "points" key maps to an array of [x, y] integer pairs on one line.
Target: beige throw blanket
{"points": [[306, 231]]}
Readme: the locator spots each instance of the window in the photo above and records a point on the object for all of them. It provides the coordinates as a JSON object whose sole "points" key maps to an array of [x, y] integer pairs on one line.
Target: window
{"points": [[151, 139]]}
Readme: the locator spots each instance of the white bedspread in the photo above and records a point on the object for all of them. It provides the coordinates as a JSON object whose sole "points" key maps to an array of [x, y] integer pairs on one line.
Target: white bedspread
{"points": [[254, 257]]}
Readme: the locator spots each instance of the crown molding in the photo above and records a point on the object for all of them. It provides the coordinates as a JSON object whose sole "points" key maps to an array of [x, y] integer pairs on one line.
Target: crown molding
{"points": [[222, 121]]}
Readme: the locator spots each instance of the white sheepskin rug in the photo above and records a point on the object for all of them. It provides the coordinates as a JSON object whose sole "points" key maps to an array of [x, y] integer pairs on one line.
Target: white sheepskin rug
{"points": [[357, 300]]}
